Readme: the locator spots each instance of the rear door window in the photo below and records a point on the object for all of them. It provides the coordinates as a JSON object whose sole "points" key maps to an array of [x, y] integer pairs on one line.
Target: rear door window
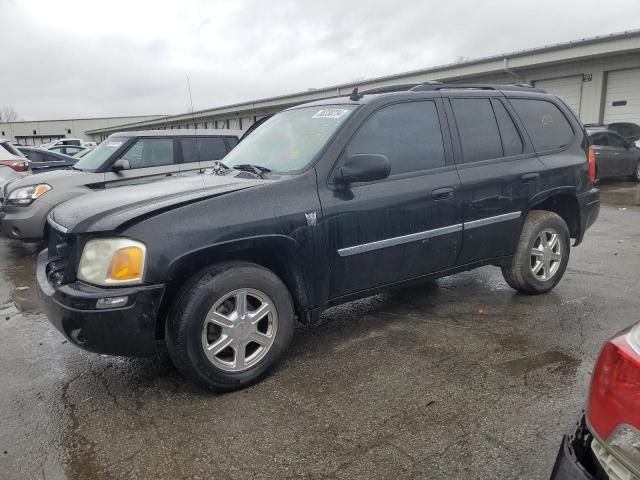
{"points": [[478, 129], [548, 128], [408, 134], [616, 141], [511, 140], [203, 149], [36, 157], [599, 139]]}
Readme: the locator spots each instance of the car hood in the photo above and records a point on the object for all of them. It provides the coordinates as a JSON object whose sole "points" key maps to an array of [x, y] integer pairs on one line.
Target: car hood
{"points": [[109, 209], [59, 178]]}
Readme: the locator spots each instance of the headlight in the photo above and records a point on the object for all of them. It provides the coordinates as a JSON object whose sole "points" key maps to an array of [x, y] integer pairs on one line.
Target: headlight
{"points": [[112, 261], [26, 195]]}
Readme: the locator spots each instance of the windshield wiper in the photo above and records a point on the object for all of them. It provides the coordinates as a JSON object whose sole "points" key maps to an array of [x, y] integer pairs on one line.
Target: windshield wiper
{"points": [[252, 168]]}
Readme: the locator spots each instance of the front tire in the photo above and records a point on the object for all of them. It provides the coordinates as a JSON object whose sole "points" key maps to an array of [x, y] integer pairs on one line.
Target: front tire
{"points": [[542, 254], [229, 326]]}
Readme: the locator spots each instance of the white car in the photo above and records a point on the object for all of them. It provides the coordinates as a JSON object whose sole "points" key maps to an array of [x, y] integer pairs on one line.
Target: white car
{"points": [[67, 141]]}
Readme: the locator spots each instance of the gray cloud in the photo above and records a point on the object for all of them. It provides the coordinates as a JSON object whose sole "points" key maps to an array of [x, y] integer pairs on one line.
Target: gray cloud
{"points": [[108, 60]]}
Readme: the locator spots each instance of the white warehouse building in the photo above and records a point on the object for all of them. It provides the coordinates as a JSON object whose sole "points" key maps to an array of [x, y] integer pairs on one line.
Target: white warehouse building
{"points": [[598, 77], [44, 131]]}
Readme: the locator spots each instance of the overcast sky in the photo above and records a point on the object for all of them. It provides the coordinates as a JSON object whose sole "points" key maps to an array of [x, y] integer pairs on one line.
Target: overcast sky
{"points": [[83, 58]]}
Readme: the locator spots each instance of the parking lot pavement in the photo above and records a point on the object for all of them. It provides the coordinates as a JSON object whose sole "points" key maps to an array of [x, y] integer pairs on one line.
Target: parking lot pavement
{"points": [[462, 379]]}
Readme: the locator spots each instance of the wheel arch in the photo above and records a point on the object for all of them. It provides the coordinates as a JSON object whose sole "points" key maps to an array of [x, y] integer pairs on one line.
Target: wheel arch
{"points": [[564, 202], [278, 253]]}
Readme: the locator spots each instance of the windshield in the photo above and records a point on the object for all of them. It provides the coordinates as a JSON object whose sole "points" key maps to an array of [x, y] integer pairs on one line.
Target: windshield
{"points": [[96, 157], [290, 140]]}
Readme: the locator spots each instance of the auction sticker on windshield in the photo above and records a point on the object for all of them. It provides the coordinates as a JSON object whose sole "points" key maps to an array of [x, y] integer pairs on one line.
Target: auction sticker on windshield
{"points": [[114, 144], [330, 113]]}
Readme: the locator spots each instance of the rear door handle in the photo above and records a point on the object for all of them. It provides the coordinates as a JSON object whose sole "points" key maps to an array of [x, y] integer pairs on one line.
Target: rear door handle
{"points": [[529, 177], [442, 193]]}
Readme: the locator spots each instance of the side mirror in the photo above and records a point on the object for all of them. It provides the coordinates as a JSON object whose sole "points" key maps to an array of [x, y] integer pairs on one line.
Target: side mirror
{"points": [[120, 165], [364, 167]]}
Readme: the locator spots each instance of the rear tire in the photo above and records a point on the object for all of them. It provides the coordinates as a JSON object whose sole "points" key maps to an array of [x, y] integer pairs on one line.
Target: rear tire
{"points": [[542, 254], [229, 326]]}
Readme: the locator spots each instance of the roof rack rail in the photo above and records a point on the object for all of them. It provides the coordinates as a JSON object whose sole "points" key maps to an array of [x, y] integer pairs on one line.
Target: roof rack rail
{"points": [[434, 85], [390, 89]]}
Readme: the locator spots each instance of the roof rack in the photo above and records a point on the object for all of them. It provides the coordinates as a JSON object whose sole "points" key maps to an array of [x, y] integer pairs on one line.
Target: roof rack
{"points": [[390, 89], [435, 85]]}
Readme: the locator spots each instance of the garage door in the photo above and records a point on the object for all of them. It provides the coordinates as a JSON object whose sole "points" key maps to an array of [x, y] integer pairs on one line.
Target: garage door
{"points": [[245, 122], [622, 100], [568, 89]]}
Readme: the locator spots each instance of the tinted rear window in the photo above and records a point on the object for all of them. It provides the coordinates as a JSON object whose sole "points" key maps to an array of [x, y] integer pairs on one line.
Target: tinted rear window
{"points": [[478, 129], [206, 148], [547, 126]]}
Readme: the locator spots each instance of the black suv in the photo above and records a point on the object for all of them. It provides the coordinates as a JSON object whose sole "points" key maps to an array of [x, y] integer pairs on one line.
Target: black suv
{"points": [[324, 203]]}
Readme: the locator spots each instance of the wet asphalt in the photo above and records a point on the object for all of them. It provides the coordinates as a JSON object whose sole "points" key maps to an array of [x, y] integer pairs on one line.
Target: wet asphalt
{"points": [[461, 378]]}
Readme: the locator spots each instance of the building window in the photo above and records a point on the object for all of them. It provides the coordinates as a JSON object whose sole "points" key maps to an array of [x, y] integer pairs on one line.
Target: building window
{"points": [[68, 130], [3, 134], [34, 132]]}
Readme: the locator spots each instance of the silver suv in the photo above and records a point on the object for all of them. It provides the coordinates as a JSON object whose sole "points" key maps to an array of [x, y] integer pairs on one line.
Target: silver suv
{"points": [[126, 158]]}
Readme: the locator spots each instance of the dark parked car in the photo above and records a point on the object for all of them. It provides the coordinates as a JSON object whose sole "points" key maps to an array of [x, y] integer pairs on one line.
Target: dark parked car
{"points": [[324, 203], [606, 442], [630, 131], [615, 156], [45, 160]]}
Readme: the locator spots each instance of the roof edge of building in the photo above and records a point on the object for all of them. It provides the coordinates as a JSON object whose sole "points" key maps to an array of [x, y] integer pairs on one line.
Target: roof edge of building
{"points": [[337, 87]]}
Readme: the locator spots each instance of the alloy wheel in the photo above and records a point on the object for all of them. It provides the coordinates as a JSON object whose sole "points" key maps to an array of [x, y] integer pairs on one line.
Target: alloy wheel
{"points": [[239, 329], [546, 255]]}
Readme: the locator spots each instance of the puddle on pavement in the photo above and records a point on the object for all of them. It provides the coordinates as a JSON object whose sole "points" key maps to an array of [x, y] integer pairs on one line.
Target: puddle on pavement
{"points": [[18, 276], [559, 361], [619, 192]]}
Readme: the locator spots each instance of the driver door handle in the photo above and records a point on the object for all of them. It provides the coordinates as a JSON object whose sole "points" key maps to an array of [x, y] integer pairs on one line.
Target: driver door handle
{"points": [[529, 177], [442, 193]]}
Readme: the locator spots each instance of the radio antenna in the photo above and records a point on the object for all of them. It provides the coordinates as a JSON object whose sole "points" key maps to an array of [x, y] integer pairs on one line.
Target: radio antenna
{"points": [[193, 117]]}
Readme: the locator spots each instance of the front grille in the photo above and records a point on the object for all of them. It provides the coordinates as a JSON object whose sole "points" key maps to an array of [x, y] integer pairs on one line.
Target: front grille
{"points": [[59, 256]]}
